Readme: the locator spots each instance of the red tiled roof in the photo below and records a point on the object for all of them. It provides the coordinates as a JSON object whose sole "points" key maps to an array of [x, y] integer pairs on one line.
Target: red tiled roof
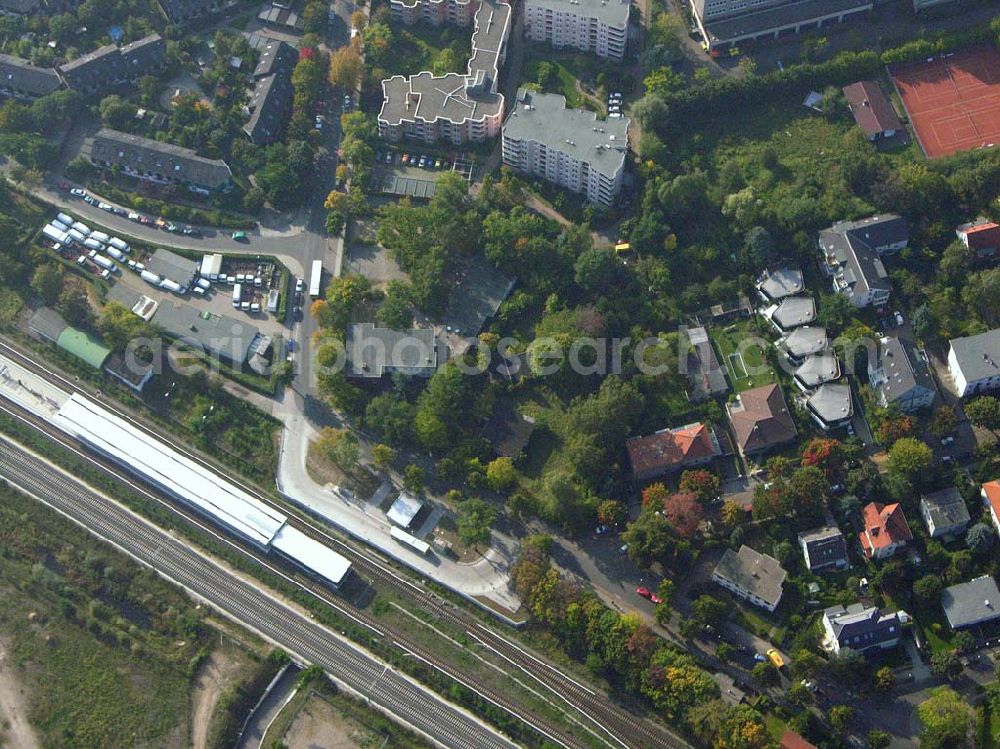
{"points": [[791, 740], [884, 525], [871, 109], [764, 420], [992, 491], [983, 236], [671, 448]]}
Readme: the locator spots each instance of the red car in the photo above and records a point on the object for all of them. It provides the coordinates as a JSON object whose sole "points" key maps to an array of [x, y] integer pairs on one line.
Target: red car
{"points": [[647, 593]]}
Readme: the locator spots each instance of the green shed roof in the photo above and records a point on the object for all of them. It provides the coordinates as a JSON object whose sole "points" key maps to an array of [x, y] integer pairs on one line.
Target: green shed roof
{"points": [[83, 346]]}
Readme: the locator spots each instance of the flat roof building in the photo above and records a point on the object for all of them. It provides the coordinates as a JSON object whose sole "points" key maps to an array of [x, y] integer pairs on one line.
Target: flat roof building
{"points": [[816, 370], [568, 147], [374, 352], [404, 510], [177, 268], [457, 108], [597, 26], [775, 285], [155, 161], [792, 312], [831, 406]]}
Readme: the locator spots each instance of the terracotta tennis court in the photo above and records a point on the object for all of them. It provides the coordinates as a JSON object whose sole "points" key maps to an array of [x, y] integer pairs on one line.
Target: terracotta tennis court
{"points": [[953, 101]]}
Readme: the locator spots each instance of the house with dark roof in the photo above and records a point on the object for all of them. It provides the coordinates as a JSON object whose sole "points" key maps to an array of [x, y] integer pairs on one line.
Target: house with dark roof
{"points": [[872, 110], [831, 405], [982, 237], [860, 628], [181, 11], [109, 66], [155, 161], [671, 450], [508, 430], [803, 342], [974, 362], [944, 513], [816, 370], [899, 374], [990, 493], [269, 106], [20, 79], [971, 603], [852, 253], [775, 285], [132, 373], [276, 58], [46, 324], [706, 376], [761, 420], [751, 576], [886, 530], [824, 549]]}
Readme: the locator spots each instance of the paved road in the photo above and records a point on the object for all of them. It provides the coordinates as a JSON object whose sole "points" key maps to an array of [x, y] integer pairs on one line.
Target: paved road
{"points": [[245, 603]]}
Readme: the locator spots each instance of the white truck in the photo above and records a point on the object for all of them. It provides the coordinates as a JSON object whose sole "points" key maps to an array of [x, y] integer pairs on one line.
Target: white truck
{"points": [[100, 236], [237, 294], [316, 278], [105, 262], [65, 218], [92, 244], [119, 244], [150, 277], [173, 286], [116, 254], [82, 228]]}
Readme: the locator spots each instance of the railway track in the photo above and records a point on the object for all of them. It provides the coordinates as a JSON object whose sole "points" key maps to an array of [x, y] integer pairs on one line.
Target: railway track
{"points": [[612, 724]]}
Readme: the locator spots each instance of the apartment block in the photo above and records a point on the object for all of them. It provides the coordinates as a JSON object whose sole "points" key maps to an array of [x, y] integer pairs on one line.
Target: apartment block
{"points": [[568, 147], [596, 26]]}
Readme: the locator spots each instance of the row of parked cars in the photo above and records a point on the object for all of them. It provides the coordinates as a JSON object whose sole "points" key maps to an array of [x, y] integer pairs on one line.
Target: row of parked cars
{"points": [[159, 223], [615, 105], [422, 160]]}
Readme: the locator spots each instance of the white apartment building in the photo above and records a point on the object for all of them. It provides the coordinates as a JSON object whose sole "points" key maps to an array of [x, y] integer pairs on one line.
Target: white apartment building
{"points": [[597, 26], [568, 147], [458, 108], [974, 363], [436, 12]]}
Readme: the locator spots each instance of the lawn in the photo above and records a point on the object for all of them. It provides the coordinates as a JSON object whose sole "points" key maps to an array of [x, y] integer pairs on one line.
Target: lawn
{"points": [[744, 360], [441, 49], [776, 727], [567, 69]]}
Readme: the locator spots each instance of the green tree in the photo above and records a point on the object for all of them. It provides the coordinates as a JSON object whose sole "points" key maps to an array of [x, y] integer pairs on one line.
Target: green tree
{"points": [[946, 717], [928, 589], [47, 281], [475, 519], [884, 679], [414, 478], [501, 474], [705, 485], [946, 664], [647, 536], [74, 306], [835, 311], [383, 455], [910, 458], [841, 718], [116, 112], [709, 610], [984, 412], [943, 422], [878, 739], [979, 539]]}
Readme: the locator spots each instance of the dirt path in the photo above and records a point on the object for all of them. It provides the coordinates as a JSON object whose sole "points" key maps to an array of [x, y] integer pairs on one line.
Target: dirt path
{"points": [[16, 732], [214, 677]]}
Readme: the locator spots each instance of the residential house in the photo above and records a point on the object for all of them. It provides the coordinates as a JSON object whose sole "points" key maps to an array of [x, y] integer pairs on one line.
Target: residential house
{"points": [[886, 530], [761, 420], [873, 111], [831, 406], [671, 450], [860, 628], [155, 161], [276, 58], [803, 342], [269, 106], [944, 513], [973, 362], [777, 284], [974, 602], [792, 312], [991, 499], [374, 352], [19, 79], [900, 376], [597, 26], [852, 253], [792, 740], [109, 66], [982, 237], [824, 549], [19, 7], [816, 370], [706, 376], [182, 11], [751, 576]]}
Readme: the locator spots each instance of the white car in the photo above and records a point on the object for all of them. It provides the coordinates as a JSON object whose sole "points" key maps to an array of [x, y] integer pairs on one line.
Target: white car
{"points": [[105, 207], [133, 216], [77, 192], [299, 284]]}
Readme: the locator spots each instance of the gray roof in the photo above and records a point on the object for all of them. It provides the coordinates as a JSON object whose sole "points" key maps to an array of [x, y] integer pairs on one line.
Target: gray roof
{"points": [[705, 374], [978, 356], [47, 323], [218, 335], [22, 77], [173, 266], [903, 368], [817, 369], [795, 311], [154, 157], [20, 6], [859, 266], [786, 14], [182, 10], [610, 12], [545, 119], [753, 572], [108, 65], [832, 402], [946, 508], [269, 105], [878, 232], [141, 56], [859, 627], [804, 341], [971, 603], [456, 97], [825, 545], [781, 282], [276, 57], [371, 351]]}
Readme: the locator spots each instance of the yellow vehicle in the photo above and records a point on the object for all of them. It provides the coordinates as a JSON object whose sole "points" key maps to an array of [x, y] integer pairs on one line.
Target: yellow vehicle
{"points": [[775, 657]]}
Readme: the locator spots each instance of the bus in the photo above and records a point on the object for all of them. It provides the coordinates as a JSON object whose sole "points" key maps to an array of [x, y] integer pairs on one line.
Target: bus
{"points": [[407, 540], [315, 278]]}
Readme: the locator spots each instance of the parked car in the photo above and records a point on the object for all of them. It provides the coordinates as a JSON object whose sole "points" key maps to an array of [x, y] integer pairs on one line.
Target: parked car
{"points": [[119, 211], [89, 199], [133, 216], [190, 231], [422, 162], [388, 157], [77, 192], [437, 163], [644, 592], [146, 221], [239, 236], [406, 158], [299, 285], [105, 206], [173, 228]]}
